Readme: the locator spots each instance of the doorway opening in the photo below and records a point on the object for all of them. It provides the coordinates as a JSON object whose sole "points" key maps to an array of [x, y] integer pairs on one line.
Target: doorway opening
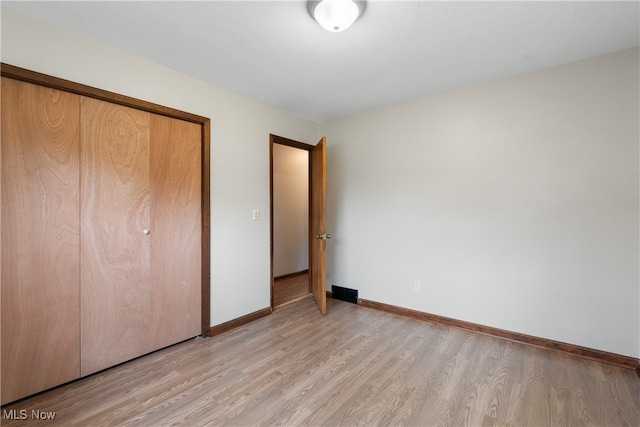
{"points": [[298, 235], [290, 224]]}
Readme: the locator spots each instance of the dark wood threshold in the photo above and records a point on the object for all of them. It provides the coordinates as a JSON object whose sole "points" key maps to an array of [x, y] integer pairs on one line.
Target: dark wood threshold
{"points": [[572, 349], [292, 275], [235, 323], [284, 304]]}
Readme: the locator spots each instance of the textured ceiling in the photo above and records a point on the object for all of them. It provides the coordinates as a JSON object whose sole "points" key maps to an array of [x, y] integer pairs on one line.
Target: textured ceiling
{"points": [[275, 53]]}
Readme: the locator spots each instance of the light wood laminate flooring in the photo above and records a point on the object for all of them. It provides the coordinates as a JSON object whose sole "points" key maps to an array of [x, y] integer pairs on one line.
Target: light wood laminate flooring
{"points": [[354, 366]]}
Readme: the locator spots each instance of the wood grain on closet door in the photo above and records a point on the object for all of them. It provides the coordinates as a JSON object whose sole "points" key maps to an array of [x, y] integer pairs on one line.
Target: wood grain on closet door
{"points": [[40, 238], [176, 230], [115, 279]]}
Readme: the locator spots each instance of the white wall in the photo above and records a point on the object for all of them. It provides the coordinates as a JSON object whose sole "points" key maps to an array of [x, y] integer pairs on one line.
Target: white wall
{"points": [[240, 128], [515, 203], [290, 210]]}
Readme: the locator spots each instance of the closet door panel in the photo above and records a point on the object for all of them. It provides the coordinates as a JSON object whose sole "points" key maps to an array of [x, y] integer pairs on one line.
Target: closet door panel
{"points": [[176, 230], [40, 238], [115, 279]]}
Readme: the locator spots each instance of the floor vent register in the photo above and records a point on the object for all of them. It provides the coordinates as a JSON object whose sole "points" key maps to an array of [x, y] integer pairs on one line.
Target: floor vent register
{"points": [[344, 294]]}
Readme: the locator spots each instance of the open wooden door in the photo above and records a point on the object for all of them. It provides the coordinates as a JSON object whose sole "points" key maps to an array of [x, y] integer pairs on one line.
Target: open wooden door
{"points": [[317, 233]]}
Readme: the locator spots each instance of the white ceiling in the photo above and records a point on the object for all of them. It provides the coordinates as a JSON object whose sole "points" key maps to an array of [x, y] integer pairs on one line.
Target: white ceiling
{"points": [[275, 53]]}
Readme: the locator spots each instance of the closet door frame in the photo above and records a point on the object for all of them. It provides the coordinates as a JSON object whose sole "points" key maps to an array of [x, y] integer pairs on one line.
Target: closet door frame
{"points": [[29, 76]]}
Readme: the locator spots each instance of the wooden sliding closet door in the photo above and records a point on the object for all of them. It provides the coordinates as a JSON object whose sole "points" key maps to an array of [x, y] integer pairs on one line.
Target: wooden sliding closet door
{"points": [[141, 233], [116, 231], [176, 236], [104, 230], [40, 238]]}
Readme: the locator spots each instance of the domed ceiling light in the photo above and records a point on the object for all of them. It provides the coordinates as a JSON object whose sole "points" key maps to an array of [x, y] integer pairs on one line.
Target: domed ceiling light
{"points": [[336, 15]]}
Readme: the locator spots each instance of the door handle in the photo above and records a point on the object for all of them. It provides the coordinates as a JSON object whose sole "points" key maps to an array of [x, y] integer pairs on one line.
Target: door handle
{"points": [[323, 236]]}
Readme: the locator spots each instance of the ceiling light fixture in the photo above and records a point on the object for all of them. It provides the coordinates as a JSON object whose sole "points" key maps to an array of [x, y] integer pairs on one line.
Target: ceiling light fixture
{"points": [[336, 15]]}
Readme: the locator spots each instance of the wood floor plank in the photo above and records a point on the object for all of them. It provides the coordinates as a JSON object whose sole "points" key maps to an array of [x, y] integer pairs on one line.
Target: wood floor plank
{"points": [[354, 366], [290, 288]]}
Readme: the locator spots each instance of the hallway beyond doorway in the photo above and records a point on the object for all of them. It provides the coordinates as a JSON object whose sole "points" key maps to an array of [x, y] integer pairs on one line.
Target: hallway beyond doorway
{"points": [[290, 287]]}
